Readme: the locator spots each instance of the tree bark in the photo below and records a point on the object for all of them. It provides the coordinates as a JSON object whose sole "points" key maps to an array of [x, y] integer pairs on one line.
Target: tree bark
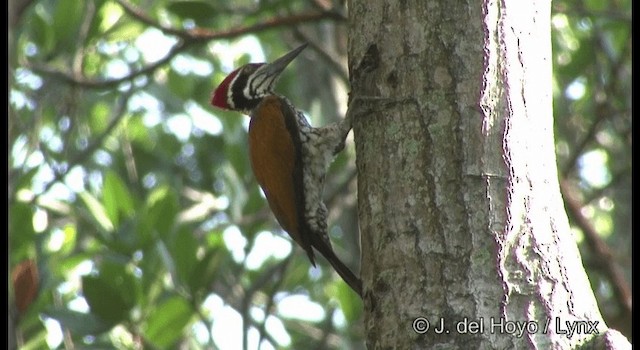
{"points": [[465, 241]]}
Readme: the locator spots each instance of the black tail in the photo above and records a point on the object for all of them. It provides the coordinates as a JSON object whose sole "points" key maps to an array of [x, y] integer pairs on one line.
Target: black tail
{"points": [[347, 275]]}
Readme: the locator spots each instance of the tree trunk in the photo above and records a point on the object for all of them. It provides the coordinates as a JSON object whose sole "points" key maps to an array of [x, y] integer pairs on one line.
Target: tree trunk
{"points": [[465, 242]]}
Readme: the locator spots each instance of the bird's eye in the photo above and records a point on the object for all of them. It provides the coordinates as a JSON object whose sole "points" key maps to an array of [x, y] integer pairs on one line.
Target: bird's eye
{"points": [[250, 68]]}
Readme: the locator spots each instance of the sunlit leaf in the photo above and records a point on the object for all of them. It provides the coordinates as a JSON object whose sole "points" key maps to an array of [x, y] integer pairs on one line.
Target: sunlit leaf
{"points": [[98, 212], [99, 116], [350, 303], [166, 323], [137, 132], [36, 342], [107, 14], [69, 242], [124, 30]]}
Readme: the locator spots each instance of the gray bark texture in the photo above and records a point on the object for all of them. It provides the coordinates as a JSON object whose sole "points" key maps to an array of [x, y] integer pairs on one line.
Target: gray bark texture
{"points": [[465, 241]]}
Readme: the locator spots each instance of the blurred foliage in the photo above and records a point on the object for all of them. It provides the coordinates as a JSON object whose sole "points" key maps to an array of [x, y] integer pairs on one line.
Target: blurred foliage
{"points": [[136, 201], [592, 107]]}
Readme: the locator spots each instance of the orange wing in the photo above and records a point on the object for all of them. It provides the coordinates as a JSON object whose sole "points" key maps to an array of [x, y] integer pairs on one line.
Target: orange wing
{"points": [[273, 158]]}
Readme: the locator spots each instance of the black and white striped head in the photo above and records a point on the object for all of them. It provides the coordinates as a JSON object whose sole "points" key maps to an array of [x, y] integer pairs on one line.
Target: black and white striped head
{"points": [[244, 88]]}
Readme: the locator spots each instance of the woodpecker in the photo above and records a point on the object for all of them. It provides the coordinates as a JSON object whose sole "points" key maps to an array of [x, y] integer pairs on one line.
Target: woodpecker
{"points": [[288, 156]]}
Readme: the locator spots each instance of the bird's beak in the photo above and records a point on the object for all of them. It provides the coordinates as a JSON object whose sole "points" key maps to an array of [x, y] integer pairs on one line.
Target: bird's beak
{"points": [[276, 67]]}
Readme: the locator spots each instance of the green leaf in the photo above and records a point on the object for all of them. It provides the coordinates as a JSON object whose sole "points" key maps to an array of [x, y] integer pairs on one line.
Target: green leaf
{"points": [[93, 63], [36, 341], [163, 203], [350, 302], [103, 300], [78, 323], [99, 116], [182, 86], [42, 31], [160, 213], [125, 30], [70, 233], [21, 232], [97, 211], [238, 191], [184, 250], [24, 180], [596, 5], [618, 36], [166, 323], [202, 12], [137, 132], [66, 22], [71, 262], [116, 198], [127, 238], [112, 293], [206, 269], [152, 281], [104, 17]]}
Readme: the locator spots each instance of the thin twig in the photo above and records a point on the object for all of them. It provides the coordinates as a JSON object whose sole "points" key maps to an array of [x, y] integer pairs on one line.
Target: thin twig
{"points": [[202, 34], [146, 19], [88, 83], [189, 37]]}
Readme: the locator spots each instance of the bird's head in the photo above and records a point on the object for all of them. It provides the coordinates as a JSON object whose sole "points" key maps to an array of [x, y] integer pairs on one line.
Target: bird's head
{"points": [[243, 89]]}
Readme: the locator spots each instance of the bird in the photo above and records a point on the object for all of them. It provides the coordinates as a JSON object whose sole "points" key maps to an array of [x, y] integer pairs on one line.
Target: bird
{"points": [[288, 156]]}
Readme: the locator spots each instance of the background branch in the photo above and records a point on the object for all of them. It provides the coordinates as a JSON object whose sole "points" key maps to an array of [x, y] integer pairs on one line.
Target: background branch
{"points": [[603, 256]]}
